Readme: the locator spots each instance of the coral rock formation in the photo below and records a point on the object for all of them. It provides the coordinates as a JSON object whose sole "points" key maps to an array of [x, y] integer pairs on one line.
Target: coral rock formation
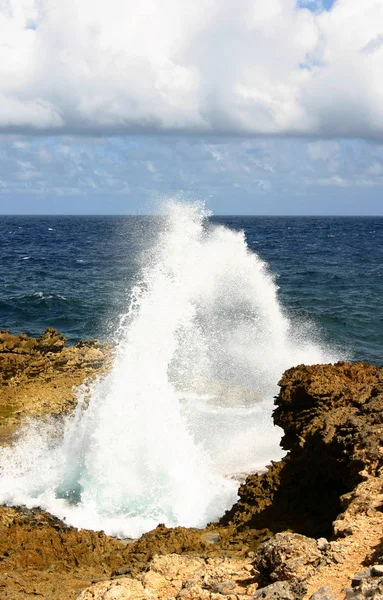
{"points": [[37, 375], [301, 529]]}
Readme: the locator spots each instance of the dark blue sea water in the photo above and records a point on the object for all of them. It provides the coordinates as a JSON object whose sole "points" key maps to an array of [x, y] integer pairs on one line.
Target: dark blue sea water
{"points": [[75, 273]]}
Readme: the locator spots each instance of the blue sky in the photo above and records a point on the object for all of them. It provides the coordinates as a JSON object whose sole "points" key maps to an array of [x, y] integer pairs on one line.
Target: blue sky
{"points": [[316, 5], [128, 174], [256, 107]]}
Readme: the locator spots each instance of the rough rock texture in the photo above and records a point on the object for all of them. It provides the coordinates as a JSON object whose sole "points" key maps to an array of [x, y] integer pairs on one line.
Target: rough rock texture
{"points": [[332, 419], [181, 577], [330, 482], [330, 485], [37, 375], [288, 557], [367, 584], [41, 557], [281, 590]]}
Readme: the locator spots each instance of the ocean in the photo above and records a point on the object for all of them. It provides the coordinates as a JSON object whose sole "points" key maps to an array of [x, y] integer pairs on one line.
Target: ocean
{"points": [[206, 313], [76, 273]]}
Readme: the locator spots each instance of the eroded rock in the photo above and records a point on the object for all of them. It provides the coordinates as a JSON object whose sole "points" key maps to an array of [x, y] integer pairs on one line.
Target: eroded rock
{"points": [[332, 417], [41, 556], [281, 590], [38, 375], [287, 557], [182, 577], [365, 585]]}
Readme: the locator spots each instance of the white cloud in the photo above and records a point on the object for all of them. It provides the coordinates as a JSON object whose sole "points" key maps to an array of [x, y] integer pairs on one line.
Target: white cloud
{"points": [[253, 67], [322, 150], [252, 174], [340, 182], [375, 169]]}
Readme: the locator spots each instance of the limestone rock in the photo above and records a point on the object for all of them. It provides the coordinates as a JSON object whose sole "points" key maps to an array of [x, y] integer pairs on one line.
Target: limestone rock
{"points": [[118, 589], [280, 590], [37, 375], [287, 557], [332, 417], [180, 577], [41, 556], [50, 341], [368, 587]]}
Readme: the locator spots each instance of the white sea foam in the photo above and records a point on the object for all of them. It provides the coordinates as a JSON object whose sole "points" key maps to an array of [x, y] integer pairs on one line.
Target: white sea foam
{"points": [[189, 399], [42, 296]]}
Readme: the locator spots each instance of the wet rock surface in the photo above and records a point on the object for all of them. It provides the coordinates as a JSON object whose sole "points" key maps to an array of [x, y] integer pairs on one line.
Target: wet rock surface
{"points": [[37, 375], [299, 530]]}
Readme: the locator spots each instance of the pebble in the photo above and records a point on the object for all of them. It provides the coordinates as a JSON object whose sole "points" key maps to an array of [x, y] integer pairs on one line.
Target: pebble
{"points": [[358, 577], [338, 558], [322, 544], [377, 571], [324, 593]]}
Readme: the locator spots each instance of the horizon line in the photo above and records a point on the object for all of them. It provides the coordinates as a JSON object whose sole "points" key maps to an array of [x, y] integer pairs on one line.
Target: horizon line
{"points": [[212, 215]]}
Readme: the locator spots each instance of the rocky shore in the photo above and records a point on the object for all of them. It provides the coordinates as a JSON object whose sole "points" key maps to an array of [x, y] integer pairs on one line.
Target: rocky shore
{"points": [[311, 526], [38, 375]]}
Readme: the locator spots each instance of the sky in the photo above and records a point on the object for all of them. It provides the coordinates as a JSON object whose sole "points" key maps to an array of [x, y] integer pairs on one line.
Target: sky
{"points": [[255, 106]]}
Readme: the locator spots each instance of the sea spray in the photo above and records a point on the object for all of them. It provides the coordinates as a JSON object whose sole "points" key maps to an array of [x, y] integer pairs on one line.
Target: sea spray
{"points": [[188, 401]]}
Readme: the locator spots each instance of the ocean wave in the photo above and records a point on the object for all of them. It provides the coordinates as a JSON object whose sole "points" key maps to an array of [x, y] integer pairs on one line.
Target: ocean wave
{"points": [[37, 298]]}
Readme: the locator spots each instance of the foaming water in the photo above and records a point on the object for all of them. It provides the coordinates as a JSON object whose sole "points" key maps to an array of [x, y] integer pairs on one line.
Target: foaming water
{"points": [[189, 399]]}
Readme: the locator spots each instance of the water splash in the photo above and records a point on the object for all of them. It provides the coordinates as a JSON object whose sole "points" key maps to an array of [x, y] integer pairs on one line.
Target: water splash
{"points": [[189, 399]]}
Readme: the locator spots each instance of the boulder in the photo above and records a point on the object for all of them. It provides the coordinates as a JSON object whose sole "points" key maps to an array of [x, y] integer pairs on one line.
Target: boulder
{"points": [[281, 590]]}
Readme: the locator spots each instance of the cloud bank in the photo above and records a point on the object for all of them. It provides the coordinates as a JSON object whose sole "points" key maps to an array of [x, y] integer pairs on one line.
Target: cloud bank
{"points": [[247, 67]]}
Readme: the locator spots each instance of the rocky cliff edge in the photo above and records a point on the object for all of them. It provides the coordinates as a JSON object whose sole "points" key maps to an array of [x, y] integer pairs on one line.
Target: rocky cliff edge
{"points": [[311, 526]]}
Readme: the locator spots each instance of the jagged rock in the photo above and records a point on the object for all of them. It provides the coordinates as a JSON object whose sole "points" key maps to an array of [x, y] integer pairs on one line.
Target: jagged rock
{"points": [[180, 577], [50, 341], [48, 558], [332, 417], [22, 357], [118, 589], [37, 375], [280, 590], [287, 557], [360, 576], [368, 587]]}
